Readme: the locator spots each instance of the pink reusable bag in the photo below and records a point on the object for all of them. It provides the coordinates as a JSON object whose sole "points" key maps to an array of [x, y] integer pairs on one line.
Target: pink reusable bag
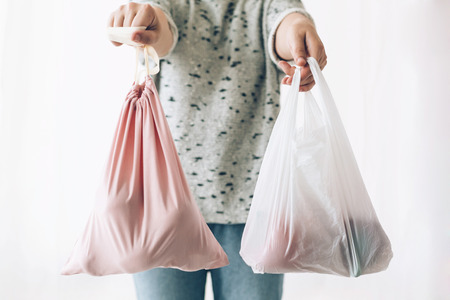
{"points": [[145, 215]]}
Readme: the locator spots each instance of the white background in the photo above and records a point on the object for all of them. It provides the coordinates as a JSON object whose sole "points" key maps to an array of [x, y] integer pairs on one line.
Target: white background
{"points": [[61, 89]]}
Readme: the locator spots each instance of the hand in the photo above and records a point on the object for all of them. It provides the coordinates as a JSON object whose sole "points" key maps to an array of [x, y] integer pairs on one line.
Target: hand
{"points": [[157, 34], [297, 39]]}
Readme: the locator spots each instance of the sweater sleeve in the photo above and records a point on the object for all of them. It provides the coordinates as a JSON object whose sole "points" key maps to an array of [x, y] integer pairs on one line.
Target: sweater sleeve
{"points": [[276, 10], [164, 5]]}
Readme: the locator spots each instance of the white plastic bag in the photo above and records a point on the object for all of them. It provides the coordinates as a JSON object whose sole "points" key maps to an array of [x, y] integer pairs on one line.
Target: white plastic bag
{"points": [[311, 211]]}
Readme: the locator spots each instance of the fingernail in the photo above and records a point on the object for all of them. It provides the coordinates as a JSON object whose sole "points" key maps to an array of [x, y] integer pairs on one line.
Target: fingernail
{"points": [[137, 38], [299, 60]]}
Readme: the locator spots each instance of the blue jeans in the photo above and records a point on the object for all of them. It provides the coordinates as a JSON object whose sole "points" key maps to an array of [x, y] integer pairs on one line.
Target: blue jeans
{"points": [[233, 282]]}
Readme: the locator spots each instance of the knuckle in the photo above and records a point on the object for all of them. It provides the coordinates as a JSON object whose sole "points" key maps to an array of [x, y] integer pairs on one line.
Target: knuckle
{"points": [[298, 49], [147, 8], [320, 47], [130, 13], [131, 5]]}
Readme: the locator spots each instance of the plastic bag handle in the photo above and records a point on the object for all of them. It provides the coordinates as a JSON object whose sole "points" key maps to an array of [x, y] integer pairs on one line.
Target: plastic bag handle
{"points": [[123, 35], [317, 73], [325, 99]]}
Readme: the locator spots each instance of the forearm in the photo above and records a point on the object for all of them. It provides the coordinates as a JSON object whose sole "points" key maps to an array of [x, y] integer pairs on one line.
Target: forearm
{"points": [[292, 24]]}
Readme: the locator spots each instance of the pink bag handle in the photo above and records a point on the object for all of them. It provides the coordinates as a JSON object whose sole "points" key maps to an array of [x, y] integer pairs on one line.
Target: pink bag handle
{"points": [[123, 35]]}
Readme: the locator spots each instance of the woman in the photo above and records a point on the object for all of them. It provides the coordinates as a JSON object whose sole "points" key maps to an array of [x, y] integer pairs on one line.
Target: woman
{"points": [[219, 87]]}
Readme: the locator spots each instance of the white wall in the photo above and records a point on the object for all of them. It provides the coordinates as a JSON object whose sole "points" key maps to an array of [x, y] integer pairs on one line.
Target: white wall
{"points": [[62, 85]]}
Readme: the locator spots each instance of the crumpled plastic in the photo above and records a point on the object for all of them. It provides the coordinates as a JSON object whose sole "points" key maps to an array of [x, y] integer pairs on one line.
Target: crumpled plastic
{"points": [[310, 210]]}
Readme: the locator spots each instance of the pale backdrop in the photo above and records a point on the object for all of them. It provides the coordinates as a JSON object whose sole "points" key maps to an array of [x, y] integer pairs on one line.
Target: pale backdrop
{"points": [[62, 85]]}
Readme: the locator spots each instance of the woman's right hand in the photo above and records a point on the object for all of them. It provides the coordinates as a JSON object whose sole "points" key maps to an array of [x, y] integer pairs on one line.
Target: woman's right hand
{"points": [[157, 34]]}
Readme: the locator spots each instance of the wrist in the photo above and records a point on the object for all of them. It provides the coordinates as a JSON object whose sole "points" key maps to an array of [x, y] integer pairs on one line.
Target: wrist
{"points": [[164, 36], [299, 19]]}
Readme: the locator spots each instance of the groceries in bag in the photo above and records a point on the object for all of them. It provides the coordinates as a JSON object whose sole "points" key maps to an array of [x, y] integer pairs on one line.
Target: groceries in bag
{"points": [[310, 210]]}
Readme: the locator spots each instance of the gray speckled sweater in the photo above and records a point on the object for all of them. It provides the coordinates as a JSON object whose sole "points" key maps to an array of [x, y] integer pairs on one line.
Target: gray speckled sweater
{"points": [[219, 87]]}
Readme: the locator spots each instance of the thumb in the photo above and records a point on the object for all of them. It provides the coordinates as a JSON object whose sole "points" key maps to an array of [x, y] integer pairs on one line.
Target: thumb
{"points": [[145, 37], [298, 52]]}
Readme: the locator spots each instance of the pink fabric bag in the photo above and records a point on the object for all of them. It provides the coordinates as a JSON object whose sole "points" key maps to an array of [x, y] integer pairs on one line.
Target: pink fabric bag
{"points": [[145, 215]]}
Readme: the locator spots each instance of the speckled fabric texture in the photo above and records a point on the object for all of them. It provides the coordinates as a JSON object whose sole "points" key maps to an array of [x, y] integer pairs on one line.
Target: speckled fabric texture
{"points": [[219, 87]]}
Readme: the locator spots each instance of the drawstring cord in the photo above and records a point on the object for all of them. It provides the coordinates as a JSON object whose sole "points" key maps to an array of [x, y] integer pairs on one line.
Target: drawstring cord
{"points": [[148, 51]]}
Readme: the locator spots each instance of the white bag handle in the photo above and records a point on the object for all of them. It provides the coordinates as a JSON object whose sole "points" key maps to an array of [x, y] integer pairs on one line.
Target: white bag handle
{"points": [[325, 99], [123, 35]]}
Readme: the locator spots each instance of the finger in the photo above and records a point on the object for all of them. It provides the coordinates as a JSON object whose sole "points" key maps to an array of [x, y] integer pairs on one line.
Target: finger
{"points": [[111, 20], [118, 19], [287, 68], [307, 87], [304, 87], [129, 17], [111, 24], [298, 50], [322, 60], [116, 43], [289, 80], [146, 16], [305, 72], [146, 37], [307, 81], [323, 63]]}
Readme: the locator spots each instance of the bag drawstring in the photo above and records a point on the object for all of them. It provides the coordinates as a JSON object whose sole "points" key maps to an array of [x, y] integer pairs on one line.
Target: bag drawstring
{"points": [[148, 51]]}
